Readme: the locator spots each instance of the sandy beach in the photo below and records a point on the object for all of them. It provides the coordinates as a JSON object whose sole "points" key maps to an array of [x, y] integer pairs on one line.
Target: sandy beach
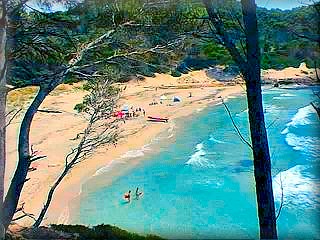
{"points": [[52, 134]]}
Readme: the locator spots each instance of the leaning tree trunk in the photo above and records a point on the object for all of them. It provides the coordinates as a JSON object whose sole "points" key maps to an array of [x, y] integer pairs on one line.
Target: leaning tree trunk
{"points": [[49, 198], [3, 96], [20, 175], [52, 190], [262, 163]]}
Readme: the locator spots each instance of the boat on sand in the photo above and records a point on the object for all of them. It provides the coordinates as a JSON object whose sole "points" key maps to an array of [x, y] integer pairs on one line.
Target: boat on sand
{"points": [[157, 119]]}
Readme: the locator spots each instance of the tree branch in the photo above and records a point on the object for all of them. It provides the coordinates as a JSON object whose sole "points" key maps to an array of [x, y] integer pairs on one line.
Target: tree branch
{"points": [[25, 214], [235, 126], [281, 203], [14, 115], [227, 41], [48, 111]]}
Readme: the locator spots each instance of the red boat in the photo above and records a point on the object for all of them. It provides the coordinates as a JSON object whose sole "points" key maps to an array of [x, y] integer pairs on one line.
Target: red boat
{"points": [[157, 119]]}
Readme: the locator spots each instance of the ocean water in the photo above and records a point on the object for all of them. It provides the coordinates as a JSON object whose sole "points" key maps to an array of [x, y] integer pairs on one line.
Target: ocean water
{"points": [[199, 183]]}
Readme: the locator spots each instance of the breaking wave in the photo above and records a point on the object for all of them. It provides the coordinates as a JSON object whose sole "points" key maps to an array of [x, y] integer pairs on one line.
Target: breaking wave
{"points": [[198, 158], [133, 154], [287, 95], [300, 188], [102, 170], [212, 139], [305, 144], [301, 117]]}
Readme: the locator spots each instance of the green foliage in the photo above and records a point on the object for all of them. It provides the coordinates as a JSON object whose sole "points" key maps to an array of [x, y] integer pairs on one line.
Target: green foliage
{"points": [[279, 30], [79, 107], [175, 73], [102, 232], [217, 52], [42, 43]]}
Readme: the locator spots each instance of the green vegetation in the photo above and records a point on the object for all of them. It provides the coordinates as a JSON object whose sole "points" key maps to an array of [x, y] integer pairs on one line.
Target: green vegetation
{"points": [[102, 232], [141, 25], [79, 232]]}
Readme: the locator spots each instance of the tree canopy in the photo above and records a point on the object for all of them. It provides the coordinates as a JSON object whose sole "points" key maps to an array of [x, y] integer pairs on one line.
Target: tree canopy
{"points": [[41, 42]]}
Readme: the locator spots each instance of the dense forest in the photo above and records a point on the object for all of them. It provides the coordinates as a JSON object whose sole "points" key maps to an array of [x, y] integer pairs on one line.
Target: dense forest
{"points": [[43, 42]]}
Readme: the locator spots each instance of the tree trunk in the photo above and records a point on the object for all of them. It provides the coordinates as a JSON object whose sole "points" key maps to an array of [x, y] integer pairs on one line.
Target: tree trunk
{"points": [[316, 108], [68, 167], [316, 70], [3, 97], [49, 198], [250, 69], [262, 163], [2, 154], [19, 178]]}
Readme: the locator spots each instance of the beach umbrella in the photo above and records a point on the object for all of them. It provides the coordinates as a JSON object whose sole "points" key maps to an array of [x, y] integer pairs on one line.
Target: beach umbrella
{"points": [[125, 108], [176, 99], [120, 114], [163, 97]]}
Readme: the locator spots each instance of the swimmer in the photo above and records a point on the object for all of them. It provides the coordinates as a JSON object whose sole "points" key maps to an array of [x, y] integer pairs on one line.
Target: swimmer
{"points": [[127, 196], [138, 194]]}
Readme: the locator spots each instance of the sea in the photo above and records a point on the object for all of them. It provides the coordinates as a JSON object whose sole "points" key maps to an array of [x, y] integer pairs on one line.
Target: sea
{"points": [[197, 178]]}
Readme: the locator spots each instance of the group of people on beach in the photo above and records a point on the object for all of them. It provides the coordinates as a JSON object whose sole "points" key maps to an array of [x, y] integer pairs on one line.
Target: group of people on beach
{"points": [[129, 113], [135, 112], [127, 196]]}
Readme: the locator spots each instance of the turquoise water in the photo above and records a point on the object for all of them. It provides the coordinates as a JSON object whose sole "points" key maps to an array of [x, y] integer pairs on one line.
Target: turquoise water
{"points": [[199, 183]]}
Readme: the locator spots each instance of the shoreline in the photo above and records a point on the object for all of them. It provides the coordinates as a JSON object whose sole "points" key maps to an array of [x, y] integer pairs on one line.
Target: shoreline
{"points": [[55, 141], [127, 163], [51, 134]]}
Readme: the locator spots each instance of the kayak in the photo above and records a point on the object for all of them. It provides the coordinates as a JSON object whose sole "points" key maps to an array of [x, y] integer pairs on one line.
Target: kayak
{"points": [[157, 119]]}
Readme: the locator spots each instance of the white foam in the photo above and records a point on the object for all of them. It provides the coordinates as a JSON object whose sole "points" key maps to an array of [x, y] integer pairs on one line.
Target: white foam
{"points": [[271, 92], [232, 97], [242, 112], [271, 109], [284, 96], [305, 144], [279, 98], [129, 154], [100, 171], [299, 190], [287, 95], [171, 128], [170, 136], [198, 158], [285, 131], [171, 131], [215, 140], [133, 154], [301, 117]]}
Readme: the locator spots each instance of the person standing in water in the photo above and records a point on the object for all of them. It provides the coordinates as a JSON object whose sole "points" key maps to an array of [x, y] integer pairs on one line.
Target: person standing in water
{"points": [[138, 194]]}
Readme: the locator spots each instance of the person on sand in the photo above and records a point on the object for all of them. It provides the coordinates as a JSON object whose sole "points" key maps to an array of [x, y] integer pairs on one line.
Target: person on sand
{"points": [[138, 194], [127, 196]]}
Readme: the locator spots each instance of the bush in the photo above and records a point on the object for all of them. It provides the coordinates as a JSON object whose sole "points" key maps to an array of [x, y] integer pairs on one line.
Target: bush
{"points": [[79, 107], [102, 232], [175, 73]]}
